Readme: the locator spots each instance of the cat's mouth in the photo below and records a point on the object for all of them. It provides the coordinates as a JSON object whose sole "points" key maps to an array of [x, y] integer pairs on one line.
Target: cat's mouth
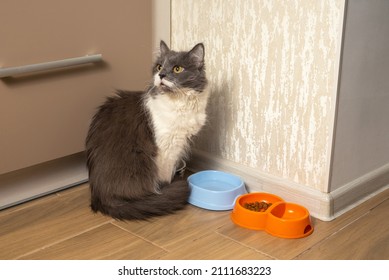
{"points": [[163, 84], [166, 83], [166, 86]]}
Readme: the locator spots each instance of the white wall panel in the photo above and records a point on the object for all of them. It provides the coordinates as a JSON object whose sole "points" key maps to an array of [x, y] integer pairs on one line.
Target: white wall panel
{"points": [[273, 68]]}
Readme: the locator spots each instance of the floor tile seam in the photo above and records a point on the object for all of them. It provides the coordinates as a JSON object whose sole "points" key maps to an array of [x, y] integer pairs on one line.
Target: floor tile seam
{"points": [[320, 241], [198, 237], [64, 239], [139, 236], [378, 204], [246, 246], [36, 202], [71, 190], [350, 223], [25, 205], [44, 198], [164, 248], [111, 252]]}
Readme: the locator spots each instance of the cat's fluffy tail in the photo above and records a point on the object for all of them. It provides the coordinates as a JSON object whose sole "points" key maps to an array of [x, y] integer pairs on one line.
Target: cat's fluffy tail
{"points": [[173, 197]]}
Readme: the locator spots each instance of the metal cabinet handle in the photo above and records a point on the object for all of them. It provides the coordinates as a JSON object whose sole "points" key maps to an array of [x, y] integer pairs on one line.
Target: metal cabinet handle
{"points": [[11, 71]]}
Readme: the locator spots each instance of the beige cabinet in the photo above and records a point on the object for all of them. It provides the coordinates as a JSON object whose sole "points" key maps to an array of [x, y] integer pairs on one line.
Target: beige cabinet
{"points": [[45, 115]]}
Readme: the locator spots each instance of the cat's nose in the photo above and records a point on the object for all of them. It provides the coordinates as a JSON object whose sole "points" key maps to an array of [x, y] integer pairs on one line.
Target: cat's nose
{"points": [[161, 75]]}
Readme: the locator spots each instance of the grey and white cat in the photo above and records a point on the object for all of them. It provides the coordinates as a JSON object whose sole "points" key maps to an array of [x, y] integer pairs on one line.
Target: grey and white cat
{"points": [[136, 139]]}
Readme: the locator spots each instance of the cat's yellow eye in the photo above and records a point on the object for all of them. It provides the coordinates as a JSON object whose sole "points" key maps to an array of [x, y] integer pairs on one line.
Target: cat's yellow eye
{"points": [[178, 69], [158, 67]]}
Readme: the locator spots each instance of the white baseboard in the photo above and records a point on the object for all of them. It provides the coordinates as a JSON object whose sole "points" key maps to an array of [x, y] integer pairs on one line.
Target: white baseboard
{"points": [[324, 206], [361, 189], [42, 179], [29, 183]]}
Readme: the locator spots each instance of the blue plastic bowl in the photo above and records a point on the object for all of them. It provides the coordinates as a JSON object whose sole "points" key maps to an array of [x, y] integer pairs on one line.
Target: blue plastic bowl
{"points": [[215, 190]]}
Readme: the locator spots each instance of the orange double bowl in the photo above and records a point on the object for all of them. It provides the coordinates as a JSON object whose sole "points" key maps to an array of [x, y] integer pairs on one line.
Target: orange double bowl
{"points": [[281, 219]]}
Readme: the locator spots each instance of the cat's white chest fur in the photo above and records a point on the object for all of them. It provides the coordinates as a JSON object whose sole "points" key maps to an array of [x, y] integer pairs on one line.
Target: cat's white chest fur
{"points": [[175, 119]]}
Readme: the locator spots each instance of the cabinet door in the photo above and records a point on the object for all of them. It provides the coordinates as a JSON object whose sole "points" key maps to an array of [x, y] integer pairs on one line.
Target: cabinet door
{"points": [[45, 115]]}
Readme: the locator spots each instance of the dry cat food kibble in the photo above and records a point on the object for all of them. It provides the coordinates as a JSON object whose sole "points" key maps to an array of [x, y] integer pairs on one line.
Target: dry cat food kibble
{"points": [[257, 206]]}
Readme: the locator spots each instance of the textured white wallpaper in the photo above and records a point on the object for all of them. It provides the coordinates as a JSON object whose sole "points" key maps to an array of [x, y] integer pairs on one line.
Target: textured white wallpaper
{"points": [[273, 68]]}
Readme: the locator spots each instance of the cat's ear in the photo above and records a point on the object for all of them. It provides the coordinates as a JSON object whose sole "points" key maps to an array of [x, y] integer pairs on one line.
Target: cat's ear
{"points": [[197, 54], [163, 48]]}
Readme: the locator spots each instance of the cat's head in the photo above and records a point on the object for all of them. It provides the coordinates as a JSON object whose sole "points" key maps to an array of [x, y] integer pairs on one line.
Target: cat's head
{"points": [[183, 72]]}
